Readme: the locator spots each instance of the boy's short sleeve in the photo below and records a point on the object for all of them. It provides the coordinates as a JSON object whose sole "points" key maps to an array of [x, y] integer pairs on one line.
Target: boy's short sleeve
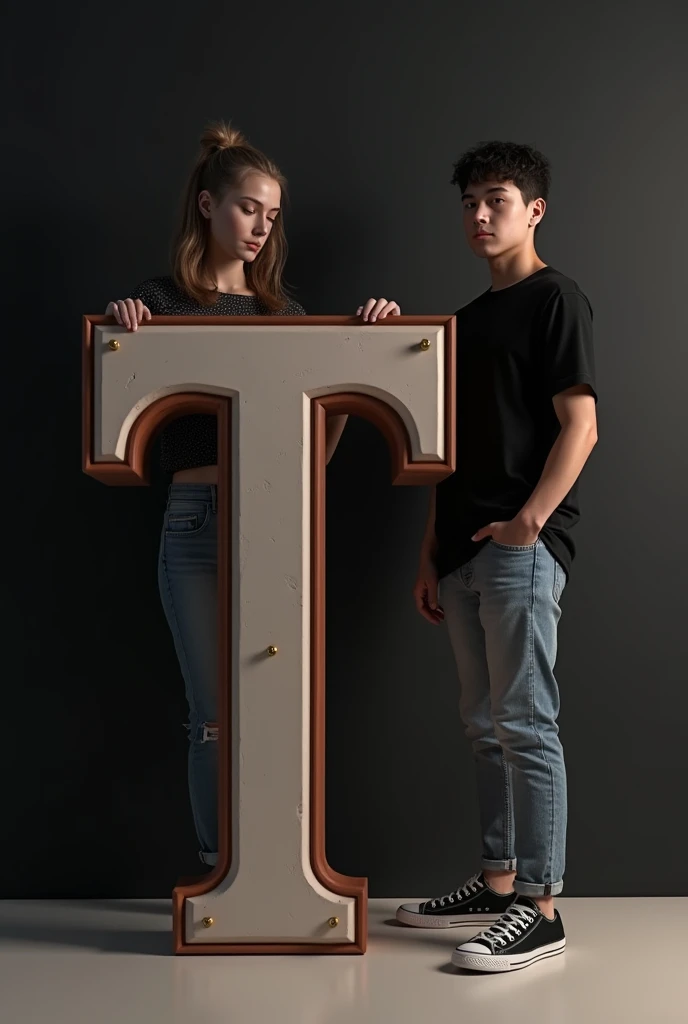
{"points": [[567, 351]]}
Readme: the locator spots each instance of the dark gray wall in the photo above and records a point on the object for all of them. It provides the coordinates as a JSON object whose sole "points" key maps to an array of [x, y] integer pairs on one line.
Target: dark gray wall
{"points": [[365, 107]]}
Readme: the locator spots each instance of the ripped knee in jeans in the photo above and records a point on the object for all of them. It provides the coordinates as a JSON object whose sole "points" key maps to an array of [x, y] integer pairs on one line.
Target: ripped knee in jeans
{"points": [[207, 732]]}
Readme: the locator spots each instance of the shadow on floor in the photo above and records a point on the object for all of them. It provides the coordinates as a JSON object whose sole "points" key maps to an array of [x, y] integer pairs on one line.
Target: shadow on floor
{"points": [[52, 924], [425, 938], [162, 907], [139, 943]]}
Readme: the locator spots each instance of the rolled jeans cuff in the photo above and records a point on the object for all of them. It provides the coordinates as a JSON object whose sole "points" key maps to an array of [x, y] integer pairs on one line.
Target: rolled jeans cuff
{"points": [[531, 889], [499, 865]]}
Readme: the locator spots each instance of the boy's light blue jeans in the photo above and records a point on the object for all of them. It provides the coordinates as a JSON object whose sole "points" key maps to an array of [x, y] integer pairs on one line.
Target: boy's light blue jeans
{"points": [[502, 611]]}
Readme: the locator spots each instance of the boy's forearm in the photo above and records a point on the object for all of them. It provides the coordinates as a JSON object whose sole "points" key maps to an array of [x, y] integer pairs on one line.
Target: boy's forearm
{"points": [[564, 464]]}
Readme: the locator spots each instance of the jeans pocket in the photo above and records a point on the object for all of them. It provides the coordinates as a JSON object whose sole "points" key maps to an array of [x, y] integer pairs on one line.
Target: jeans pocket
{"points": [[187, 521], [559, 582]]}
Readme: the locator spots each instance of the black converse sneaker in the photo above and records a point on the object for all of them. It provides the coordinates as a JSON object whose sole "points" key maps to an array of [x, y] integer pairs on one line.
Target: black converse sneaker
{"points": [[521, 937], [475, 901]]}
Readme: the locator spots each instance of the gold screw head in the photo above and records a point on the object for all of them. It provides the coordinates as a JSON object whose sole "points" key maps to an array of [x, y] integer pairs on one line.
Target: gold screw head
{"points": [[272, 651], [208, 922], [113, 344], [425, 344], [333, 922]]}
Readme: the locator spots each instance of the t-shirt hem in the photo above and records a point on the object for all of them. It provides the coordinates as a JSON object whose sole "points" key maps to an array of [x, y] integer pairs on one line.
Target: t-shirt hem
{"points": [[569, 382]]}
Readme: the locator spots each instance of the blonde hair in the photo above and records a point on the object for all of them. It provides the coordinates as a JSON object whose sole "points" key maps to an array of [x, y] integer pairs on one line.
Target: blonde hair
{"points": [[226, 157]]}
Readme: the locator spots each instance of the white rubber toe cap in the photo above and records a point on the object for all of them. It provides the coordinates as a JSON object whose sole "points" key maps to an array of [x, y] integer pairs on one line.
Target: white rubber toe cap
{"points": [[410, 908], [479, 948]]}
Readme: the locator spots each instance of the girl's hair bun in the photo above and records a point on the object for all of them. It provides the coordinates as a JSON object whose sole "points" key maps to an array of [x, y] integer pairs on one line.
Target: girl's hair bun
{"points": [[220, 135]]}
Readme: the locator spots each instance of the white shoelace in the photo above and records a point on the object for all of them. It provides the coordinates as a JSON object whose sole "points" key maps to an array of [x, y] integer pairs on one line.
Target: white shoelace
{"points": [[510, 925], [472, 886]]}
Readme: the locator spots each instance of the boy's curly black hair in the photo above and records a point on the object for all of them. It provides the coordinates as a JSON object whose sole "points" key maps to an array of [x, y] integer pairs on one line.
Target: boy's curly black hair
{"points": [[505, 161]]}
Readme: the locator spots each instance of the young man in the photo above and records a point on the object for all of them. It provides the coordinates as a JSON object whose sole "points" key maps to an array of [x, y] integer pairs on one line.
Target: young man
{"points": [[498, 539]]}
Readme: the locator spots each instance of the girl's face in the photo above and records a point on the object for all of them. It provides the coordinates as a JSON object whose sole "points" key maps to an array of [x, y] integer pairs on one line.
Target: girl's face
{"points": [[240, 224]]}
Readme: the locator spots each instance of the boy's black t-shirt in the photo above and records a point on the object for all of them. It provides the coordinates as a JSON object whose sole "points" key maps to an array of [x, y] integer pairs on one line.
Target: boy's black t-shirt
{"points": [[516, 349]]}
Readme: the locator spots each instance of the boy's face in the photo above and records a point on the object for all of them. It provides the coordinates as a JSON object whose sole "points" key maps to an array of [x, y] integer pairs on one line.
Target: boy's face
{"points": [[496, 219]]}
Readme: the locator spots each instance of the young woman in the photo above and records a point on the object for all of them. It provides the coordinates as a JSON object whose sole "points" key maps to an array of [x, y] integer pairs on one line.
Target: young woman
{"points": [[228, 259]]}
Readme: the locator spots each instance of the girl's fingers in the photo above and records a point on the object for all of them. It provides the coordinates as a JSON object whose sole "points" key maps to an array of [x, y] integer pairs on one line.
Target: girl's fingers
{"points": [[131, 307], [124, 313]]}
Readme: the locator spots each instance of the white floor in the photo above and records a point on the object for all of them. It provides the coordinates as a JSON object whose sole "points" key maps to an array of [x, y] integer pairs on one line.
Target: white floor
{"points": [[109, 962]]}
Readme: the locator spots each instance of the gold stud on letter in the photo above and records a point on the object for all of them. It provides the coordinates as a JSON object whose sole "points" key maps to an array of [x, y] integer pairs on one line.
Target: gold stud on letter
{"points": [[272, 650], [113, 344], [425, 344]]}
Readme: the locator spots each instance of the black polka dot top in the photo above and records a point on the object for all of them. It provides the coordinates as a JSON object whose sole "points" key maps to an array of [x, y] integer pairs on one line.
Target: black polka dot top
{"points": [[191, 441]]}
